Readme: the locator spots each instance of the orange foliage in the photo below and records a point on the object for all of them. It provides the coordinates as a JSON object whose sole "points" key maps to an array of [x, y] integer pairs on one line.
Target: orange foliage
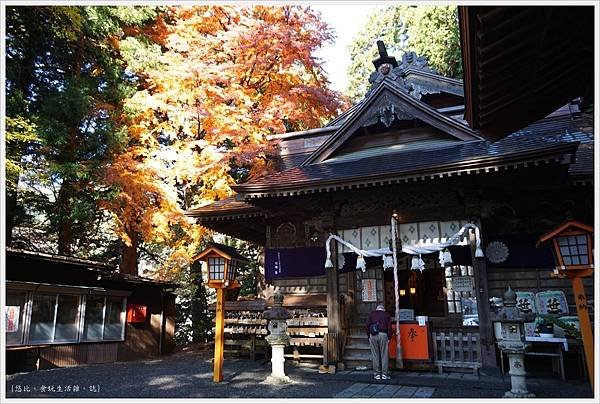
{"points": [[227, 77]]}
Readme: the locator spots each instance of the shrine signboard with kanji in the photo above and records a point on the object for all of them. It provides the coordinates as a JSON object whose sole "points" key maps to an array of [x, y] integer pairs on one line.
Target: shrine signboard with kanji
{"points": [[462, 284], [369, 290]]}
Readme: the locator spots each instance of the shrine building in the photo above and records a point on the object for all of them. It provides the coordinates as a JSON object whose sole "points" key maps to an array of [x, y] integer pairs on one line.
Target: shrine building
{"points": [[406, 153]]}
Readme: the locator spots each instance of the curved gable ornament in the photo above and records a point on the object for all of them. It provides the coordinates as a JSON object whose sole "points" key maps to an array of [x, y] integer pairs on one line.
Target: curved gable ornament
{"points": [[410, 62], [386, 111]]}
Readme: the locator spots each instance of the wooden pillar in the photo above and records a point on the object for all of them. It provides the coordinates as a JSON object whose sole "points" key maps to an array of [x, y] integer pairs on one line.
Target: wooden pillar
{"points": [[168, 340], [486, 332], [334, 326], [219, 337], [584, 325]]}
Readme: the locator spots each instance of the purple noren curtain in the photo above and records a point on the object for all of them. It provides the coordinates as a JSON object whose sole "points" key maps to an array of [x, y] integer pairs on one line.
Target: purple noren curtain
{"points": [[294, 262]]}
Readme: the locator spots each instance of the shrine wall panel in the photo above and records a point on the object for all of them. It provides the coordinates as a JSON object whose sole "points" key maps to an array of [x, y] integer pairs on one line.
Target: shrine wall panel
{"points": [[535, 280], [301, 286]]}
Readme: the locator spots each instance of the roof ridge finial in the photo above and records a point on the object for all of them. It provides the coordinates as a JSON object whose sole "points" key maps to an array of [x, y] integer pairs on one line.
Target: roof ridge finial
{"points": [[384, 58]]}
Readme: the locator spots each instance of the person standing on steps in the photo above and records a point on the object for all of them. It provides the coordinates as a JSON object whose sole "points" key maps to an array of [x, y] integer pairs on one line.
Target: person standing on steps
{"points": [[379, 332]]}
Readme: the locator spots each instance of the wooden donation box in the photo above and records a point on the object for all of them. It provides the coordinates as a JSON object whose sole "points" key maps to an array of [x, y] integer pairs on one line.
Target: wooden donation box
{"points": [[414, 339]]}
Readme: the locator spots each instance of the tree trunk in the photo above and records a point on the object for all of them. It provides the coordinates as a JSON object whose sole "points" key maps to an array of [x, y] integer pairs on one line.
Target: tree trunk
{"points": [[129, 263], [65, 222], [11, 206]]}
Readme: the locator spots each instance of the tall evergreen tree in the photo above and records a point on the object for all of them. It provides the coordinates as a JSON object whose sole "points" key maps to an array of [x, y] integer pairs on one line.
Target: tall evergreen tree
{"points": [[430, 31], [65, 87]]}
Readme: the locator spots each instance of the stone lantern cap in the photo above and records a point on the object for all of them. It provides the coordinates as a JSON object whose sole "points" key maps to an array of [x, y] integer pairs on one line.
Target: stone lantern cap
{"points": [[277, 312], [509, 313]]}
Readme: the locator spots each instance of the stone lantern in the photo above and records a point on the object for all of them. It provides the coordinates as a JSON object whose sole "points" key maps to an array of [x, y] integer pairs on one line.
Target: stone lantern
{"points": [[278, 339], [513, 344]]}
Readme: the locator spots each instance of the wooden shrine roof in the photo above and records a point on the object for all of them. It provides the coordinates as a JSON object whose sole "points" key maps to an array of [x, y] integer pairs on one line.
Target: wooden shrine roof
{"points": [[522, 63], [549, 138], [227, 208], [424, 137]]}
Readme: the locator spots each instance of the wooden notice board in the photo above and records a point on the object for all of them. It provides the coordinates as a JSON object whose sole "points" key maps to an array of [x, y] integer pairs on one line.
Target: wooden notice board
{"points": [[414, 340]]}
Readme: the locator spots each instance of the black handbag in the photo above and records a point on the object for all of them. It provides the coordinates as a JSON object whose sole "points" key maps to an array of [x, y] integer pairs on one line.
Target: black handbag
{"points": [[374, 328]]}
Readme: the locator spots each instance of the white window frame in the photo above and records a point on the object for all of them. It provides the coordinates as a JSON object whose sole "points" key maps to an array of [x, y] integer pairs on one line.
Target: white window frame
{"points": [[123, 317], [53, 340], [80, 320], [470, 271], [23, 315]]}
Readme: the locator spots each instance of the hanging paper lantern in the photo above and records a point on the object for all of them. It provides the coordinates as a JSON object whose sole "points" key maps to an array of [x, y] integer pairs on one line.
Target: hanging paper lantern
{"points": [[361, 263], [388, 262]]}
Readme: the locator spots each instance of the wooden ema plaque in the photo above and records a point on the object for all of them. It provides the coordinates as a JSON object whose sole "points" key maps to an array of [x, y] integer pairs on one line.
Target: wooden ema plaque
{"points": [[414, 339]]}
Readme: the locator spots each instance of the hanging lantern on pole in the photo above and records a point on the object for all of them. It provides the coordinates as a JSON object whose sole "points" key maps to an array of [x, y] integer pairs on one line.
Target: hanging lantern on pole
{"points": [[223, 263], [572, 244]]}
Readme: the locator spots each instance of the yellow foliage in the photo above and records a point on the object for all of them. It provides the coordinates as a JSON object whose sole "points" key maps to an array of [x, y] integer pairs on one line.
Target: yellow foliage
{"points": [[228, 77]]}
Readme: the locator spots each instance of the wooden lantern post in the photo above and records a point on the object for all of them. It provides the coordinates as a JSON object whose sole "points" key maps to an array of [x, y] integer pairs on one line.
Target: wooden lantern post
{"points": [[572, 247], [223, 262]]}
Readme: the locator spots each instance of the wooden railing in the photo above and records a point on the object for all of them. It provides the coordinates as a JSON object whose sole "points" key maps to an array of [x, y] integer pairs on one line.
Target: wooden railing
{"points": [[456, 350]]}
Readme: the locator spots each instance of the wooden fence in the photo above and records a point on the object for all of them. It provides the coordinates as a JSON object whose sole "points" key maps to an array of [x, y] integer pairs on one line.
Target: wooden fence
{"points": [[457, 350]]}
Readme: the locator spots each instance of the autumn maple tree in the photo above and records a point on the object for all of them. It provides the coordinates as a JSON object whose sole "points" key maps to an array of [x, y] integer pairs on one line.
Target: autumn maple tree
{"points": [[214, 82]]}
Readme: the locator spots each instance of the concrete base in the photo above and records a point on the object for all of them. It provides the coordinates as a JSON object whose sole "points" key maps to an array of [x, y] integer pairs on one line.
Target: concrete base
{"points": [[510, 394], [277, 380]]}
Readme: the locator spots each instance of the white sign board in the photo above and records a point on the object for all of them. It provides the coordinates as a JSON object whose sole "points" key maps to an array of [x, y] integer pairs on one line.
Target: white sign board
{"points": [[406, 315], [369, 290], [462, 284], [12, 318]]}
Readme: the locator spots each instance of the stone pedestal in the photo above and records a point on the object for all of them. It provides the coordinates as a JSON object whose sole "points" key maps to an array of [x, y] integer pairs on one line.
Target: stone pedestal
{"points": [[518, 386], [277, 364], [278, 339]]}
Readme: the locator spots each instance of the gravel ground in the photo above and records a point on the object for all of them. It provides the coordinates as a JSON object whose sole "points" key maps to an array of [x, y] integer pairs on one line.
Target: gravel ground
{"points": [[190, 375]]}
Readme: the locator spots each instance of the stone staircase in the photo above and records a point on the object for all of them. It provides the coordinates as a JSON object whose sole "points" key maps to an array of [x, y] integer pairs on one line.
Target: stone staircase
{"points": [[357, 351]]}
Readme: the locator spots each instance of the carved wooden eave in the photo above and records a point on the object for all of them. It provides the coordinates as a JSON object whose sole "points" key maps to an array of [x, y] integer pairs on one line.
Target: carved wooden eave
{"points": [[422, 82], [521, 63], [387, 103], [232, 216], [226, 209], [249, 228]]}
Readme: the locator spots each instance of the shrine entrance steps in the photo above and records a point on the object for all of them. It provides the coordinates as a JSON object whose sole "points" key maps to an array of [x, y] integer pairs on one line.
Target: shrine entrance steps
{"points": [[357, 352]]}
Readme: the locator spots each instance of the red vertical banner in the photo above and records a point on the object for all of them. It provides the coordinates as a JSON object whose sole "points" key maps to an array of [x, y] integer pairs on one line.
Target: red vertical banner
{"points": [[414, 340], [136, 313]]}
